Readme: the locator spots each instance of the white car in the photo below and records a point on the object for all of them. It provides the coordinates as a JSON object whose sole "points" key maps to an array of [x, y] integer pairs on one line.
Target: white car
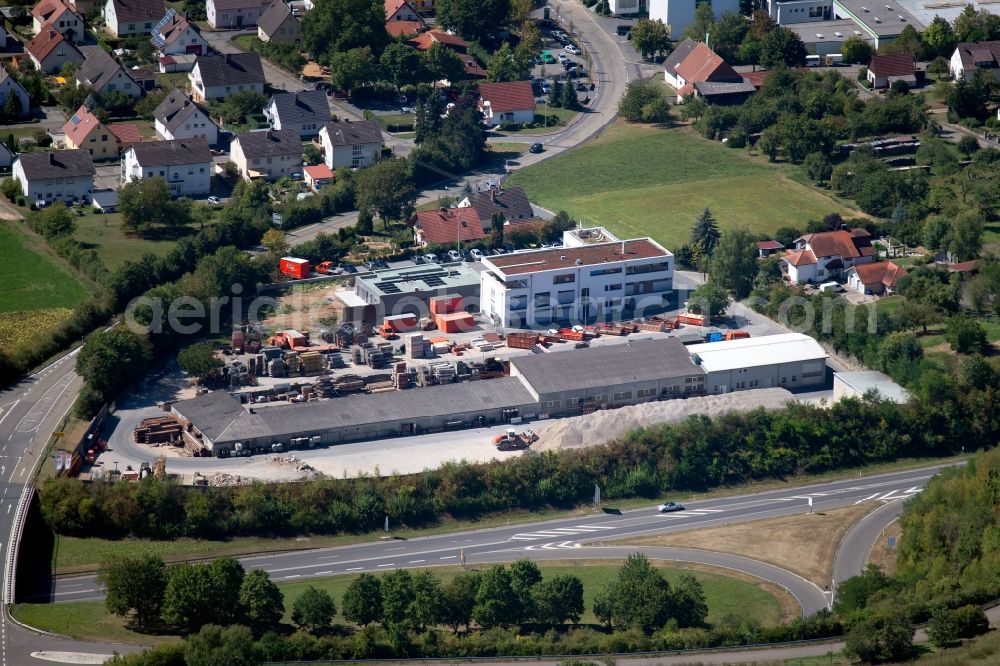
{"points": [[571, 49], [670, 507], [215, 201], [454, 255], [477, 255], [563, 57], [431, 258]]}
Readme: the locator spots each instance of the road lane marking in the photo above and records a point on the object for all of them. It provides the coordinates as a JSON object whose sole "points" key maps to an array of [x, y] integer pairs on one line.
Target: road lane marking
{"points": [[869, 498], [293, 576], [417, 561], [390, 564], [355, 569], [449, 557], [323, 573]]}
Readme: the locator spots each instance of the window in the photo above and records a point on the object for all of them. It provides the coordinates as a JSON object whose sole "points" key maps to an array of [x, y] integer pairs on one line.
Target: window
{"points": [[566, 297], [624, 395], [612, 287], [104, 137], [648, 268], [356, 149], [564, 279], [645, 393], [809, 375], [549, 404], [356, 163], [606, 271], [543, 300], [518, 302]]}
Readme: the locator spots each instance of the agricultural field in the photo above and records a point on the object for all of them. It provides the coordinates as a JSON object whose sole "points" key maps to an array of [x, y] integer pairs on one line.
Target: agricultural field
{"points": [[682, 174]]}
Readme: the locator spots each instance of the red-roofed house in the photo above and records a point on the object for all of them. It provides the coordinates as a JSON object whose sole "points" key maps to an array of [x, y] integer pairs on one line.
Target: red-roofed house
{"points": [[126, 133], [884, 70], [701, 66], [766, 248], [402, 20], [85, 132], [49, 50], [57, 14], [444, 226], [878, 278], [507, 102], [318, 176], [424, 41], [826, 255]]}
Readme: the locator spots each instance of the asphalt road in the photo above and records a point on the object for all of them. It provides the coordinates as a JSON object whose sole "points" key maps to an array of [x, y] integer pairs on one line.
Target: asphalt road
{"points": [[564, 538], [857, 544], [29, 412]]}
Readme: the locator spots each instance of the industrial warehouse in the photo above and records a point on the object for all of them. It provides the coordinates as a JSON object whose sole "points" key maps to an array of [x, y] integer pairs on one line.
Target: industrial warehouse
{"points": [[543, 385]]}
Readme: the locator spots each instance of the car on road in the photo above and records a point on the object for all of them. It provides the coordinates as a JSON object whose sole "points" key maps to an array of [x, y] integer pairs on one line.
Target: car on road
{"points": [[215, 201], [536, 148], [454, 255], [406, 109], [418, 260], [623, 29], [670, 507], [572, 50]]}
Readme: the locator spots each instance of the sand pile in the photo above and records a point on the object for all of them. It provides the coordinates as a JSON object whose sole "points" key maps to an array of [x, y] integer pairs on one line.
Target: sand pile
{"points": [[603, 426]]}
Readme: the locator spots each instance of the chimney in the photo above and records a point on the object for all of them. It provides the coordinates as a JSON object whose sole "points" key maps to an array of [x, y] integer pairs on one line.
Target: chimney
{"points": [[52, 158], [229, 59], [52, 34], [493, 195], [270, 135]]}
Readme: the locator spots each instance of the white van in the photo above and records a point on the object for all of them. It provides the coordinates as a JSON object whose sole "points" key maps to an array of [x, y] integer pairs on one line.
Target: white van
{"points": [[813, 61], [831, 287]]}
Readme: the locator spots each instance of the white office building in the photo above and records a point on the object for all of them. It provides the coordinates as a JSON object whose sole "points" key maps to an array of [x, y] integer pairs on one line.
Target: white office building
{"points": [[594, 276], [788, 360], [679, 14]]}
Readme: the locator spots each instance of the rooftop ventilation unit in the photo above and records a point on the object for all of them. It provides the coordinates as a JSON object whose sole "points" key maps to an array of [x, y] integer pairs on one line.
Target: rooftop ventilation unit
{"points": [[889, 7]]}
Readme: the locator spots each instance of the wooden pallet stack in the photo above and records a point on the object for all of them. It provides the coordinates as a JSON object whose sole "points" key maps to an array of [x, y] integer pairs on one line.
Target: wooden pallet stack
{"points": [[158, 430]]}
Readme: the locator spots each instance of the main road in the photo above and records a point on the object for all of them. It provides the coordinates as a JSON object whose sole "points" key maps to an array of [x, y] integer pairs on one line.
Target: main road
{"points": [[580, 537]]}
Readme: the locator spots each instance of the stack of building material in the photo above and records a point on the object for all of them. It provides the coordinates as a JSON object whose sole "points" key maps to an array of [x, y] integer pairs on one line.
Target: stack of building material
{"points": [[444, 373], [158, 430], [291, 363], [311, 363], [335, 360], [381, 387], [277, 368], [522, 340], [270, 352], [349, 384], [415, 346], [324, 387], [440, 348]]}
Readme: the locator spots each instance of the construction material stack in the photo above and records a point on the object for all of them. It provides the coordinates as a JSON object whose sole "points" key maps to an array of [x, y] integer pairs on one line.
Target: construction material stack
{"points": [[349, 384], [522, 340], [238, 342], [415, 346], [158, 430], [311, 363], [443, 373]]}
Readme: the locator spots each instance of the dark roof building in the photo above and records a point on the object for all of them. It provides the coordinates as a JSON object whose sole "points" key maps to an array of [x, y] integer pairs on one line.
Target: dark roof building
{"points": [[271, 143], [57, 164], [138, 11], [231, 69], [305, 111], [175, 109], [99, 70], [172, 153], [353, 133], [511, 203]]}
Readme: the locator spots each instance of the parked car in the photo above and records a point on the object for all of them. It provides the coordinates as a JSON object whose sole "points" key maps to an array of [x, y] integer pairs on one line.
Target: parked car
{"points": [[418, 260], [563, 57], [349, 268], [431, 258], [215, 201], [571, 49], [623, 29], [477, 255], [536, 148], [546, 88], [454, 255], [406, 109], [547, 58], [670, 507]]}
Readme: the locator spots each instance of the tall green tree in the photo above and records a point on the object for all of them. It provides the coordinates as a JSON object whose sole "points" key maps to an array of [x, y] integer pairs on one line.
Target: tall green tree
{"points": [[401, 64], [524, 576], [426, 609], [442, 64], [386, 189], [458, 600], [939, 38], [353, 69], [314, 609], [336, 26], [709, 299], [108, 362], [638, 598], [703, 23], [497, 604], [651, 37], [479, 20], [215, 646], [199, 360], [362, 602], [134, 584], [782, 48], [146, 207], [856, 51], [261, 602], [428, 121], [689, 603], [558, 599], [397, 596], [705, 232], [505, 66], [734, 262]]}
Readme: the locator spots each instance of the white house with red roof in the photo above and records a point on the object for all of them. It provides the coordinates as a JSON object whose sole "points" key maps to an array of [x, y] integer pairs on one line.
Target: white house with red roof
{"points": [[446, 226], [875, 279], [84, 131], [424, 41], [884, 70], [402, 20], [695, 69], [57, 14], [49, 51], [318, 176], [507, 102], [827, 255]]}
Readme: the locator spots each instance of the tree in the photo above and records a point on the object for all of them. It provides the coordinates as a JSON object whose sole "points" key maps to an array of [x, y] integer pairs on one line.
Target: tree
{"points": [[524, 576], [555, 93], [966, 236], [313, 610], [880, 638], [968, 145], [260, 601], [338, 26], [939, 38], [134, 584], [397, 595], [734, 262], [818, 167], [10, 188], [966, 335], [704, 22], [401, 64], [427, 122], [426, 608], [215, 646], [919, 314], [787, 235], [54, 222], [558, 599], [976, 372], [479, 20], [146, 205], [504, 66], [108, 362], [496, 602], [968, 98], [853, 594], [856, 51], [275, 242], [442, 64], [705, 232], [200, 360], [939, 67], [385, 189], [459, 600], [568, 99], [650, 38], [189, 597], [898, 348], [363, 600], [12, 108], [353, 69], [237, 107], [782, 48], [689, 602], [708, 299], [639, 598]]}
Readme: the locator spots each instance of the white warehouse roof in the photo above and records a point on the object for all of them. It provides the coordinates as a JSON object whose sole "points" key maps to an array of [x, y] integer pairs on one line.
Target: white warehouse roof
{"points": [[754, 352]]}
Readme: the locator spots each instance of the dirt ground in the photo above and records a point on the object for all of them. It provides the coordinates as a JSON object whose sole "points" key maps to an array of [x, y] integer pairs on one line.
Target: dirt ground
{"points": [[805, 543], [307, 307], [882, 553]]}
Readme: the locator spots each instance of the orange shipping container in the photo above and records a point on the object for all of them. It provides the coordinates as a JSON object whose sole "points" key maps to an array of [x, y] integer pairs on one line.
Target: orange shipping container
{"points": [[401, 323], [294, 267], [454, 322], [445, 304]]}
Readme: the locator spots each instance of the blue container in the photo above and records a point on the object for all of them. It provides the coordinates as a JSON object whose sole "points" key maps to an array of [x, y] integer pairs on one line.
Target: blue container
{"points": [[715, 337]]}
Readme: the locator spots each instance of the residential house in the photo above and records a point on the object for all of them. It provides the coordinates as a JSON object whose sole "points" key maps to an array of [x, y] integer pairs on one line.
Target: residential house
{"points": [[424, 41], [49, 51], [102, 74], [702, 73], [57, 175], [83, 7], [278, 25], [826, 255], [964, 267], [318, 176], [175, 35], [507, 102], [875, 279], [402, 20], [235, 13], [177, 117], [305, 112], [510, 204], [350, 144], [446, 226], [6, 157], [10, 87], [124, 18], [85, 132], [126, 133], [766, 248], [186, 164], [57, 14], [678, 14], [884, 70], [216, 77], [972, 56], [268, 155]]}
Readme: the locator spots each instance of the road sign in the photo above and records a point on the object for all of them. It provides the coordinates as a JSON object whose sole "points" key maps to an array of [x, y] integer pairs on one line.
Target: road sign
{"points": [[810, 501], [461, 556], [387, 524], [277, 220], [597, 495], [891, 541]]}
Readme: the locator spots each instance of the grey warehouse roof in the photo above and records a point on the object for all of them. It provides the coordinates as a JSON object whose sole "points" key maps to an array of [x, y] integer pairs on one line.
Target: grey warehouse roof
{"points": [[642, 360], [885, 18], [214, 415], [870, 379]]}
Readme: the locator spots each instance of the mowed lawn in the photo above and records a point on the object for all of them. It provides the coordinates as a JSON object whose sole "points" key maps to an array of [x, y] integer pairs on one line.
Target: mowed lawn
{"points": [[725, 596], [32, 278], [639, 180]]}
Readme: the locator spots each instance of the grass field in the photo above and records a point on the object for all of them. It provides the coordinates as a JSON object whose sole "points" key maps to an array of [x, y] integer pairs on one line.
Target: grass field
{"points": [[103, 234], [681, 174], [32, 278], [724, 595]]}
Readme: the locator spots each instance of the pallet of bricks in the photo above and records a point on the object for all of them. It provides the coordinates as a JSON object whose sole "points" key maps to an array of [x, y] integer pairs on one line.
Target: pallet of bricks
{"points": [[158, 430], [401, 377]]}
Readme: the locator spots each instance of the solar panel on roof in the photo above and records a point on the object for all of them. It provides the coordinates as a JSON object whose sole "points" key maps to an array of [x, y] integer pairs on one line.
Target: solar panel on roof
{"points": [[388, 287], [434, 281], [75, 119]]}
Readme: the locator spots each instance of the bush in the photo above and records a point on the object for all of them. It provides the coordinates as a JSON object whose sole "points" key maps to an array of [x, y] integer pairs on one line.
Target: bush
{"points": [[881, 638], [637, 96], [11, 189], [966, 336], [947, 626]]}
